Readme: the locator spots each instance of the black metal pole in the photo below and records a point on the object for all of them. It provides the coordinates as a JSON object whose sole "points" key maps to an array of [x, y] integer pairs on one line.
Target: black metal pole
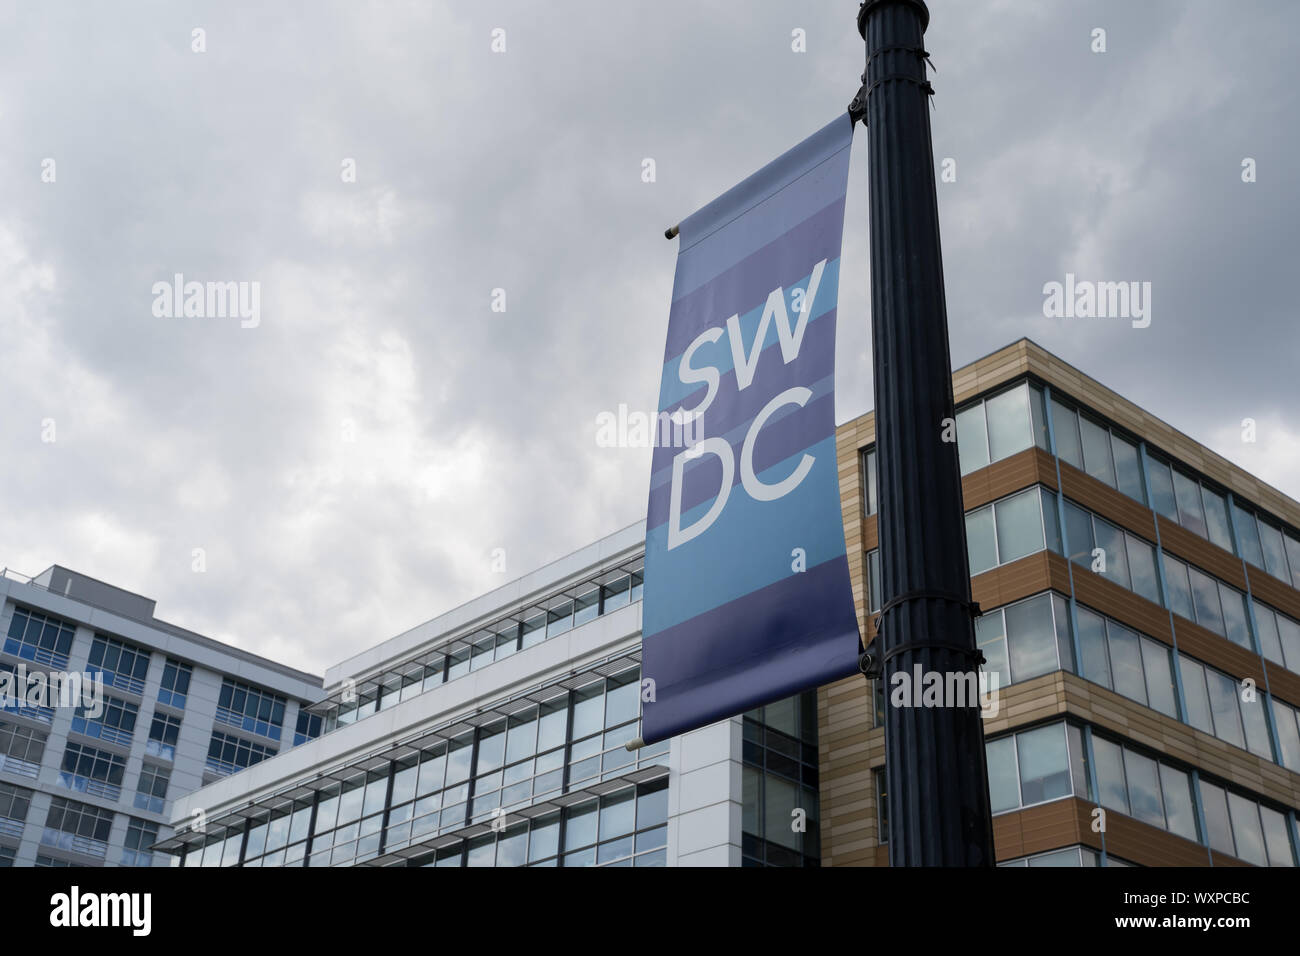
{"points": [[938, 781]]}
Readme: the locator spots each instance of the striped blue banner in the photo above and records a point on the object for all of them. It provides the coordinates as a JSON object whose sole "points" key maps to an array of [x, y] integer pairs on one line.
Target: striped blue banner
{"points": [[747, 592]]}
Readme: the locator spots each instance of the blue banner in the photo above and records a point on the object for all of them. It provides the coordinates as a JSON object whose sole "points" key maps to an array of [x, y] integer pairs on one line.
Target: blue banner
{"points": [[747, 592]]}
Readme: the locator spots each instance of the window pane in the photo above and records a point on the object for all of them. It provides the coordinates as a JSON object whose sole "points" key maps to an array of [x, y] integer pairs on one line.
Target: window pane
{"points": [[1176, 788], [1078, 533], [1248, 536], [1197, 699], [1064, 644], [1246, 829], [1096, 451], [1276, 840], [1215, 803], [1162, 488], [990, 636], [1288, 735], [1065, 426], [1019, 526], [1266, 625], [1144, 789], [1180, 589], [1128, 468], [873, 501], [1004, 792], [1293, 557], [1044, 765], [1252, 717], [1288, 632], [1142, 568], [1205, 595], [1092, 645], [1126, 662], [1190, 514], [1110, 774], [1160, 680], [1051, 520], [1234, 615], [1111, 540], [972, 442], [1008, 422], [779, 801], [1039, 417], [1031, 638], [1216, 518], [981, 547], [1223, 705], [1274, 553]]}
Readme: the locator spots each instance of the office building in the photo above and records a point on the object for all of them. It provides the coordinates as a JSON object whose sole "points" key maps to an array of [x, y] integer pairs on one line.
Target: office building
{"points": [[1141, 607], [89, 779]]}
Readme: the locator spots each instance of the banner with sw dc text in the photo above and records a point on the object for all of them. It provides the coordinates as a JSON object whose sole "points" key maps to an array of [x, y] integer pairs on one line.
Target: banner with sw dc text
{"points": [[747, 593]]}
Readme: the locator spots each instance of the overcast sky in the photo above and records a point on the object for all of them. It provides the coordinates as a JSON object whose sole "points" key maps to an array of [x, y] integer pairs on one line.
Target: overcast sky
{"points": [[472, 430]]}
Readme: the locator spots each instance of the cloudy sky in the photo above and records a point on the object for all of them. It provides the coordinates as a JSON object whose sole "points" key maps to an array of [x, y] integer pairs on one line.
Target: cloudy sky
{"points": [[349, 465]]}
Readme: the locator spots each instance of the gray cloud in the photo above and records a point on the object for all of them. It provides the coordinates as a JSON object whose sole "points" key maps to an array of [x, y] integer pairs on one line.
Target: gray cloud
{"points": [[474, 430]]}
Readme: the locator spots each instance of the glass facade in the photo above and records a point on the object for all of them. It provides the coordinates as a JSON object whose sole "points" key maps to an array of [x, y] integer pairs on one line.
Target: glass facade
{"points": [[779, 784], [567, 749]]}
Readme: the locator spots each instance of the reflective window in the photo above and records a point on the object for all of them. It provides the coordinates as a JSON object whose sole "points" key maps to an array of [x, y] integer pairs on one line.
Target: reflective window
{"points": [[39, 637]]}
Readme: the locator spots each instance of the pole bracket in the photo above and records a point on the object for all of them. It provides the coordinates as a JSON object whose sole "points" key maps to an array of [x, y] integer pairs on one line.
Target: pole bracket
{"points": [[858, 108], [877, 661]]}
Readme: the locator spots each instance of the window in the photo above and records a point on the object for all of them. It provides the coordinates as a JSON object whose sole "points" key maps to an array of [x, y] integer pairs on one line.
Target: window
{"points": [[1288, 734], [1279, 637], [1162, 488], [1093, 447], [228, 754], [1120, 557], [21, 749], [1025, 639], [1207, 601], [1267, 546], [140, 835], [999, 427], [1215, 706], [1185, 499], [1011, 528], [116, 722], [308, 726], [123, 665], [1126, 662], [1144, 788], [250, 708], [616, 594], [151, 789], [1035, 766], [77, 826], [14, 804], [779, 783], [882, 806], [39, 637], [92, 771], [870, 489], [1242, 827], [162, 736], [22, 701], [874, 600], [175, 686]]}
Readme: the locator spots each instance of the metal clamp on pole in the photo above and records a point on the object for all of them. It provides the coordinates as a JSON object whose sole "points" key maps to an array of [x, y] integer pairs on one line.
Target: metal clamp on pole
{"points": [[872, 663]]}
